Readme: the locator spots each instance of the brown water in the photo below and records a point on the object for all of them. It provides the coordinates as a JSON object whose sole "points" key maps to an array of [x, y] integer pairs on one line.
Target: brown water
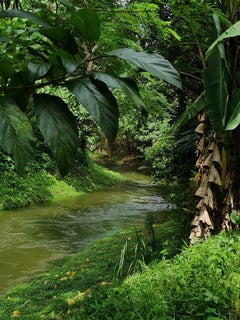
{"points": [[31, 238]]}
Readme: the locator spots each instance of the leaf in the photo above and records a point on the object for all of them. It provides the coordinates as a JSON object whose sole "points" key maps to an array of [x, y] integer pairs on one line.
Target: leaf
{"points": [[6, 69], [4, 38], [37, 70], [233, 31], [235, 218], [95, 96], [216, 91], [25, 15], [60, 37], [16, 135], [87, 23], [127, 86], [69, 64], [153, 63], [66, 4], [233, 111], [57, 126], [191, 111]]}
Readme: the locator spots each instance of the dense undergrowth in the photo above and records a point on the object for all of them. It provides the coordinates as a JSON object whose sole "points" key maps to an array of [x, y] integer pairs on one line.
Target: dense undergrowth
{"points": [[120, 277], [39, 186]]}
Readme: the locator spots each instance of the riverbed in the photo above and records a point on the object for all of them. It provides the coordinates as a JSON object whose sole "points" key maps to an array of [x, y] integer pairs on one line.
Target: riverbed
{"points": [[32, 238]]}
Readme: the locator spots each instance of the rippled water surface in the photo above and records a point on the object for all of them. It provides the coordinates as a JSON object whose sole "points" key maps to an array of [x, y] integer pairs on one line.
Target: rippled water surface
{"points": [[31, 238]]}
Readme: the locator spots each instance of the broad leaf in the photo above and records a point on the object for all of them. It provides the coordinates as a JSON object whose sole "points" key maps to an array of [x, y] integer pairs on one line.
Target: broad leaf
{"points": [[37, 70], [87, 23], [57, 126], [16, 135], [61, 38], [95, 96], [127, 86], [153, 63], [66, 4], [69, 64], [235, 218], [191, 111], [25, 15], [233, 31], [233, 112]]}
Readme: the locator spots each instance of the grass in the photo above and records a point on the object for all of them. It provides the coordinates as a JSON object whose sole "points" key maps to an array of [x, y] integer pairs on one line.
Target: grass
{"points": [[40, 187], [200, 282]]}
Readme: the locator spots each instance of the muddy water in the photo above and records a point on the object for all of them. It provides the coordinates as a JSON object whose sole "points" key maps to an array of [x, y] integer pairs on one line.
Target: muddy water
{"points": [[30, 239]]}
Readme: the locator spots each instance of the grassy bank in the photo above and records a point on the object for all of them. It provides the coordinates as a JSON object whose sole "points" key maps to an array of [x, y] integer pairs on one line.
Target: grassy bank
{"points": [[202, 282], [39, 187]]}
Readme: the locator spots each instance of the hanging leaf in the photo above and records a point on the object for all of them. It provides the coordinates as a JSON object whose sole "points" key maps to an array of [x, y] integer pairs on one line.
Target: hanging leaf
{"points": [[214, 176], [37, 70], [87, 23], [95, 96], [16, 135], [60, 37], [153, 63], [69, 64], [191, 111], [233, 111], [216, 156], [127, 86], [25, 15], [57, 126]]}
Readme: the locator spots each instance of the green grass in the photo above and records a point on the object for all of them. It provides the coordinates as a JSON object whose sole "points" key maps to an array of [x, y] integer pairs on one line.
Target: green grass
{"points": [[40, 187], [202, 282]]}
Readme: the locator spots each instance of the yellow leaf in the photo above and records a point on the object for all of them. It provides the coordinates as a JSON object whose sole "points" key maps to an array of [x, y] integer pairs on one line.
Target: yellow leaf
{"points": [[16, 313]]}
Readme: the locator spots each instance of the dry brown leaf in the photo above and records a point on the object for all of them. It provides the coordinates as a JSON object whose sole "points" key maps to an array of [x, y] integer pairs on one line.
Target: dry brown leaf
{"points": [[214, 176], [205, 219], [208, 161], [216, 156], [200, 128]]}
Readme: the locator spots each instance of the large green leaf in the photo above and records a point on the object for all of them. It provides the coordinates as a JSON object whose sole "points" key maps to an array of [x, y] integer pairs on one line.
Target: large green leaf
{"points": [[58, 128], [25, 15], [127, 86], [233, 112], [154, 63], [37, 70], [60, 37], [16, 135], [95, 96], [191, 111], [216, 91], [87, 23], [233, 31]]}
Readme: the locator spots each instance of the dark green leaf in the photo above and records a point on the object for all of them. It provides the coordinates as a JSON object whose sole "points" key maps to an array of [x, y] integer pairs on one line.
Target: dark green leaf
{"points": [[66, 4], [69, 64], [25, 15], [58, 128], [233, 111], [153, 63], [95, 96], [60, 37], [127, 86], [4, 38], [216, 90], [87, 23], [37, 70], [191, 111], [16, 135]]}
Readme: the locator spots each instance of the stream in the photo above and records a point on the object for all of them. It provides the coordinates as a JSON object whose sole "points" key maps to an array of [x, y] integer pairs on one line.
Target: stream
{"points": [[31, 238]]}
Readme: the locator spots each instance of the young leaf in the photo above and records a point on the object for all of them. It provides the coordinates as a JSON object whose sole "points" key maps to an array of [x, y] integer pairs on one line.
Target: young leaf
{"points": [[127, 86], [16, 135], [25, 15], [153, 63], [95, 96], [60, 37], [233, 112], [57, 126], [87, 23], [37, 70]]}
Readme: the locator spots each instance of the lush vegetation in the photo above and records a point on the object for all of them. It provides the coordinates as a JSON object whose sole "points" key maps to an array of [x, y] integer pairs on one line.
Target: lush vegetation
{"points": [[91, 285]]}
